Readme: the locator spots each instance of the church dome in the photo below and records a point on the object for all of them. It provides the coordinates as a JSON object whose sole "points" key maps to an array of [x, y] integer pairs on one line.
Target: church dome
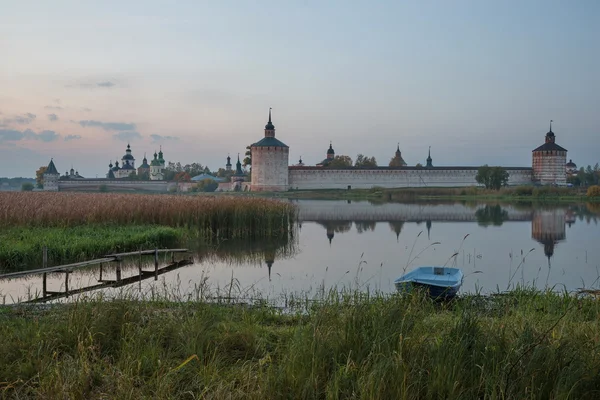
{"points": [[571, 164], [330, 151]]}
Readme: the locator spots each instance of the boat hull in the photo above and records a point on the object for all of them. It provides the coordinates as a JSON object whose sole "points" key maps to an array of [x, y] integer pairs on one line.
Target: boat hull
{"points": [[437, 282], [435, 292]]}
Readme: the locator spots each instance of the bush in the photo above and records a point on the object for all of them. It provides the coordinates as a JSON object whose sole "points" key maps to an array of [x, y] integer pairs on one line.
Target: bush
{"points": [[28, 187], [524, 190], [593, 191]]}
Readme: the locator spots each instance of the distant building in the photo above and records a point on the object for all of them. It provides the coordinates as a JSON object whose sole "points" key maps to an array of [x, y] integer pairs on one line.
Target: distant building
{"points": [[157, 167], [397, 160], [571, 168], [270, 160], [51, 177], [549, 162], [144, 169], [329, 158]]}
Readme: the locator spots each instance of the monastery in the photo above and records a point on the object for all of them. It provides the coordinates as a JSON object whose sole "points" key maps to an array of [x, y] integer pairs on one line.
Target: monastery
{"points": [[271, 171]]}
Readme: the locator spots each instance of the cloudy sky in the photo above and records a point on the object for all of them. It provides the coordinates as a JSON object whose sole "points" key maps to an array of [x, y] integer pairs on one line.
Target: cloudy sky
{"points": [[478, 81]]}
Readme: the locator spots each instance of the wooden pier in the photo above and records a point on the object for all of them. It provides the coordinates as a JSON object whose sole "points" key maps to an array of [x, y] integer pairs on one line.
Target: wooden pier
{"points": [[107, 259]]}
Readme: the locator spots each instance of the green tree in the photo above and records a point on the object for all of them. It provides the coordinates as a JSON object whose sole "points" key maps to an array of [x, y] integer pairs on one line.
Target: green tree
{"points": [[365, 162], [103, 188], [492, 177], [207, 185], [396, 162], [340, 162], [247, 157], [39, 176], [27, 187], [491, 215], [419, 165]]}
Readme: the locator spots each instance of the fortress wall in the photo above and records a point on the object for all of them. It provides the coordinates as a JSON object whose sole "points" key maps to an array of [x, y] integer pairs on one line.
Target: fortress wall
{"points": [[323, 178], [94, 185]]}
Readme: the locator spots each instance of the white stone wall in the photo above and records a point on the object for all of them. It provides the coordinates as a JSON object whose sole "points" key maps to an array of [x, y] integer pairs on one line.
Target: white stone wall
{"points": [[324, 178], [51, 182], [270, 168], [156, 173], [549, 167], [95, 184]]}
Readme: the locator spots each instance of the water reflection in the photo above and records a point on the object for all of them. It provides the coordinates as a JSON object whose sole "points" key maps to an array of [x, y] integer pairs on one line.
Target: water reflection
{"points": [[327, 249], [548, 224]]}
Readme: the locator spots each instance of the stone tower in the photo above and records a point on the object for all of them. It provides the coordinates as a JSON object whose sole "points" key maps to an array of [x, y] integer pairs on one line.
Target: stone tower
{"points": [[51, 177], [549, 162], [269, 162]]}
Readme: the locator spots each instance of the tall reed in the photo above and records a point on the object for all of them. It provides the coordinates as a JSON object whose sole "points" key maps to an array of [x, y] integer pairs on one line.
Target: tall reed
{"points": [[211, 216]]}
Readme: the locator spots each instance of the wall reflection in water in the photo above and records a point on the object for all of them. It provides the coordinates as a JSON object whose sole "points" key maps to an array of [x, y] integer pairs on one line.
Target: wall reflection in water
{"points": [[548, 224]]}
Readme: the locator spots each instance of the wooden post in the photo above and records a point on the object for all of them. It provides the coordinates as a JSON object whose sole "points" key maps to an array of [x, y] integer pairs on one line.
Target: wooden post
{"points": [[44, 265], [100, 280], [45, 257], [67, 282], [119, 270], [173, 257], [155, 264]]}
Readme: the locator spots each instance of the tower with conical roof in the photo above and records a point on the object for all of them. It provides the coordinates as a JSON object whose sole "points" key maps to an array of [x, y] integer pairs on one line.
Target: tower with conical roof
{"points": [[239, 176], [549, 162], [51, 177], [429, 160], [270, 160], [397, 160]]}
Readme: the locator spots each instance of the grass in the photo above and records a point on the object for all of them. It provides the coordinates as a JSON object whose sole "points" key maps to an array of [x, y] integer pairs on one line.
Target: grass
{"points": [[524, 344], [21, 247]]}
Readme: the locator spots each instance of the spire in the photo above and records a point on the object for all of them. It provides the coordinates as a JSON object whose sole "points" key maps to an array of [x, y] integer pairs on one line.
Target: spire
{"points": [[145, 159], [272, 123], [269, 127], [429, 160], [550, 125]]}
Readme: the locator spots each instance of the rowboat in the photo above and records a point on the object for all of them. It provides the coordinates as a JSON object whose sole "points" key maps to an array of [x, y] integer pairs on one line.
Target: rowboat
{"points": [[439, 282]]}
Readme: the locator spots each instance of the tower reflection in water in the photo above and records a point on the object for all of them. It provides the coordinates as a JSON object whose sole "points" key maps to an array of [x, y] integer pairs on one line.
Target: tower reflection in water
{"points": [[548, 226]]}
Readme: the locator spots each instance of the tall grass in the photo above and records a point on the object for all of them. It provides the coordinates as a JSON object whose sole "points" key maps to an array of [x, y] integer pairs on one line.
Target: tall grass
{"points": [[524, 344], [21, 247], [225, 217]]}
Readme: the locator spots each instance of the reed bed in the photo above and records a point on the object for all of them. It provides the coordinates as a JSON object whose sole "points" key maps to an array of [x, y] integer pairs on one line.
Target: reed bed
{"points": [[524, 344], [210, 216]]}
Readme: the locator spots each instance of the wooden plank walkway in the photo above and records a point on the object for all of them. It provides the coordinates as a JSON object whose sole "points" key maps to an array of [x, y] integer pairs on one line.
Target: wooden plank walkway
{"points": [[106, 259]]}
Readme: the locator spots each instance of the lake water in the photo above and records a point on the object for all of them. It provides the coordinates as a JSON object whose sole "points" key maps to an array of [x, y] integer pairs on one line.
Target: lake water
{"points": [[359, 244]]}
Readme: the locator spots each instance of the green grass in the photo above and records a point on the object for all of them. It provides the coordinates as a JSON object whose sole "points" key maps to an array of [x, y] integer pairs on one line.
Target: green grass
{"points": [[21, 247], [525, 344]]}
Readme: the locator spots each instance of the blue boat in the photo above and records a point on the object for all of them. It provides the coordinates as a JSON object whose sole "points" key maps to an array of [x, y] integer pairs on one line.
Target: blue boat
{"points": [[439, 282]]}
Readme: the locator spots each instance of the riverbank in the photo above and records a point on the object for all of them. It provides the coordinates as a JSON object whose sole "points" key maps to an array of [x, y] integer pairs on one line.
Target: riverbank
{"points": [[522, 344], [509, 194]]}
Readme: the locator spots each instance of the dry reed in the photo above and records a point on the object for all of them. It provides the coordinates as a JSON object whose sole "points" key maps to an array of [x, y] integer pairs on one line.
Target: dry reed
{"points": [[220, 216]]}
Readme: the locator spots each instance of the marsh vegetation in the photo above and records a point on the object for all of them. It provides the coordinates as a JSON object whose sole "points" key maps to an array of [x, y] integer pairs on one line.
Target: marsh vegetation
{"points": [[525, 344]]}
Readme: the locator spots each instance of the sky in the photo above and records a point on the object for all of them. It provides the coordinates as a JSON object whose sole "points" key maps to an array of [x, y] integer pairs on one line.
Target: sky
{"points": [[478, 81]]}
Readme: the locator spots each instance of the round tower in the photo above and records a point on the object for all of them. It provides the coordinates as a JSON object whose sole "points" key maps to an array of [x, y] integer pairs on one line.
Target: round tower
{"points": [[269, 162], [549, 162]]}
